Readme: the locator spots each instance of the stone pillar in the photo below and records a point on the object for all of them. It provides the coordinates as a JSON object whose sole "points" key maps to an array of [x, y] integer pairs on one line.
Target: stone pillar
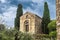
{"points": [[58, 18]]}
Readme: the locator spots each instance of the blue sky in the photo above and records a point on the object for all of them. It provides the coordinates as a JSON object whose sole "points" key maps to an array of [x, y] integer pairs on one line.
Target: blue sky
{"points": [[8, 9]]}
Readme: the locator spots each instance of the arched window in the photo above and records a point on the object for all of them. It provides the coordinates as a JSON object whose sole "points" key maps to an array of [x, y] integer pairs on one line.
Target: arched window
{"points": [[26, 24]]}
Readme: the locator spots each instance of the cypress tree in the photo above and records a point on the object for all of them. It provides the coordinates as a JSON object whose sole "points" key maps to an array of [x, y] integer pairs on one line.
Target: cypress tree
{"points": [[18, 15], [45, 19]]}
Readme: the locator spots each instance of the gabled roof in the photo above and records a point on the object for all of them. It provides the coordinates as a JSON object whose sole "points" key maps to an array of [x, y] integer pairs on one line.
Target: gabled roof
{"points": [[28, 13], [32, 14]]}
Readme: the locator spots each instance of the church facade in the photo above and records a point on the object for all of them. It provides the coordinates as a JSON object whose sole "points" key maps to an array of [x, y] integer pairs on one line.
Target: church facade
{"points": [[30, 23]]}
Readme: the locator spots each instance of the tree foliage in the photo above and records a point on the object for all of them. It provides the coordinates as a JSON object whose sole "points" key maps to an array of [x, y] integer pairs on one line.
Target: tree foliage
{"points": [[52, 28], [45, 19], [10, 34], [23, 36], [2, 27], [53, 33], [18, 15], [7, 34]]}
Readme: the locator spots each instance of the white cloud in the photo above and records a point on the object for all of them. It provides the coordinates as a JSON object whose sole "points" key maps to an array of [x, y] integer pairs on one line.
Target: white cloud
{"points": [[24, 0], [10, 12], [38, 1], [1, 21], [9, 16], [52, 9], [34, 1], [37, 8], [3, 1], [28, 9]]}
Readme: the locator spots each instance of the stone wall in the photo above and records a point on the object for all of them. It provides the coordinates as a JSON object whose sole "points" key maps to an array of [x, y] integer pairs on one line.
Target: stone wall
{"points": [[58, 18], [38, 24], [31, 19], [34, 23]]}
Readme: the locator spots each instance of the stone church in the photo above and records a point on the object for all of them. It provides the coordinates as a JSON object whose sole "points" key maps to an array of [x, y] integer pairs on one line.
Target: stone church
{"points": [[30, 23]]}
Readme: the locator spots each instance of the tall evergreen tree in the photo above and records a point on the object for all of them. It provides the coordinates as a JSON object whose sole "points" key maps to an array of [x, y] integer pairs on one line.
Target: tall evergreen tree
{"points": [[18, 15], [45, 19]]}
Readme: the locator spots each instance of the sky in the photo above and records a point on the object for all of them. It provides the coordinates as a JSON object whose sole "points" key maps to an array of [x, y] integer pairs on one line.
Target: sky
{"points": [[8, 9]]}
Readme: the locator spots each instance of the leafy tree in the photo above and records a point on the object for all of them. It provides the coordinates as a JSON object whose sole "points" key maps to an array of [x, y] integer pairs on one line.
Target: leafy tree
{"points": [[53, 33], [10, 34], [52, 28], [2, 27], [18, 15], [7, 34], [24, 36], [17, 20], [45, 19]]}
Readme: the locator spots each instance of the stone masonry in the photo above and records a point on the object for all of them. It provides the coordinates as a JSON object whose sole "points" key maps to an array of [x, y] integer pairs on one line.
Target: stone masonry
{"points": [[58, 18], [30, 23]]}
